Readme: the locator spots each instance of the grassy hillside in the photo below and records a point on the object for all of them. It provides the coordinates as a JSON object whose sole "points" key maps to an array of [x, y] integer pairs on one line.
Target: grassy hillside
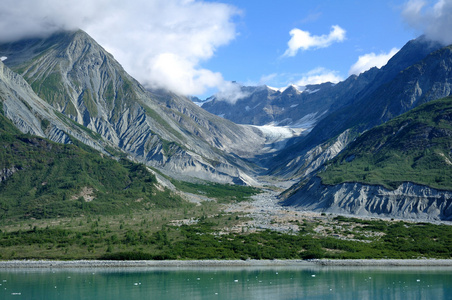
{"points": [[42, 179], [415, 147]]}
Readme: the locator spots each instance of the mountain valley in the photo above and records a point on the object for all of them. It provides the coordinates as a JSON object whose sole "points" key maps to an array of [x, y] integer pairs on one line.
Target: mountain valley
{"points": [[82, 138]]}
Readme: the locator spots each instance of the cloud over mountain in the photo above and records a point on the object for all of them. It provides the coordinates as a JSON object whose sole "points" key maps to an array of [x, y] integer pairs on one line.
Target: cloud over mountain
{"points": [[370, 60], [160, 42], [319, 75], [435, 21]]}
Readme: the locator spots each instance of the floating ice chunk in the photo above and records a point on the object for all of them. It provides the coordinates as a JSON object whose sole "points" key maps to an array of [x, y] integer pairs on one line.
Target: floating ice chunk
{"points": [[313, 275], [236, 280], [418, 280], [3, 58]]}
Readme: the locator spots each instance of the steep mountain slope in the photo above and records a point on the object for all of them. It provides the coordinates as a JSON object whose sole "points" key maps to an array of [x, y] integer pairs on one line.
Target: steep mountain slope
{"points": [[43, 179], [400, 169], [415, 147], [79, 79], [33, 115], [396, 89]]}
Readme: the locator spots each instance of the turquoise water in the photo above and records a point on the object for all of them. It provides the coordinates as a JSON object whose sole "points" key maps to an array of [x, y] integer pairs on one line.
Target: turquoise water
{"points": [[227, 283]]}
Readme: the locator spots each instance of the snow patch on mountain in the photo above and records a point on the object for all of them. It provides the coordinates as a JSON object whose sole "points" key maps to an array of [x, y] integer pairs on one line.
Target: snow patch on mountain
{"points": [[311, 91], [296, 87], [277, 136]]}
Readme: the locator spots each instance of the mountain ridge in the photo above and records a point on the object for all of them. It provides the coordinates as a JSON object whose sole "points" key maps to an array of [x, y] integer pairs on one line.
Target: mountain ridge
{"points": [[362, 112], [399, 169], [80, 80]]}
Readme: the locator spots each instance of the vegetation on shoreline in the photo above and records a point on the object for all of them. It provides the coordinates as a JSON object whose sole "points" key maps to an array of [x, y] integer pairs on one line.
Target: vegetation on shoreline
{"points": [[152, 236], [414, 147]]}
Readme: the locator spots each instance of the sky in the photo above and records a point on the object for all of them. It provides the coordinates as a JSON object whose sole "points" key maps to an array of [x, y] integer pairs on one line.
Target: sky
{"points": [[197, 47]]}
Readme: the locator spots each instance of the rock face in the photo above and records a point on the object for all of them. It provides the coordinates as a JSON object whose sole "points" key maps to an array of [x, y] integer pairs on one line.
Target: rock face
{"points": [[418, 73], [408, 201], [263, 105], [30, 114], [7, 172], [85, 88]]}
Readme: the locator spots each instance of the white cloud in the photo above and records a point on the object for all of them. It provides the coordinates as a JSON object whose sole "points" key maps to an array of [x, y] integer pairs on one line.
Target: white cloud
{"points": [[370, 60], [230, 92], [267, 78], [317, 76], [434, 21], [304, 40], [162, 43]]}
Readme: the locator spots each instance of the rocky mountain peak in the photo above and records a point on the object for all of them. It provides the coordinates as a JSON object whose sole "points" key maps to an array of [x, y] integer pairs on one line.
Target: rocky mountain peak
{"points": [[83, 82]]}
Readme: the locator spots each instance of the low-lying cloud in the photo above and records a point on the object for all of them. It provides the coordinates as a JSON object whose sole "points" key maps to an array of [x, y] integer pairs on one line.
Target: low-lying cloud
{"points": [[304, 40], [230, 92], [435, 21], [370, 60], [162, 43], [319, 75]]}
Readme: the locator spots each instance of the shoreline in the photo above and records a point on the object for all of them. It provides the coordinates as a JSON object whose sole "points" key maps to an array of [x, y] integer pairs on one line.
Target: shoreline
{"points": [[14, 264]]}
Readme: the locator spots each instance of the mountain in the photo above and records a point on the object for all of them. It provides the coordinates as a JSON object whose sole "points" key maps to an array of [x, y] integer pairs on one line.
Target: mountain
{"points": [[43, 179], [79, 88], [325, 116], [414, 147], [294, 107], [399, 169], [264, 105], [67, 89], [418, 73]]}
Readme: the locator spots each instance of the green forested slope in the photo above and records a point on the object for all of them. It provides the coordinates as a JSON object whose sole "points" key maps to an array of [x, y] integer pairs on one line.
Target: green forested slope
{"points": [[42, 179], [415, 147]]}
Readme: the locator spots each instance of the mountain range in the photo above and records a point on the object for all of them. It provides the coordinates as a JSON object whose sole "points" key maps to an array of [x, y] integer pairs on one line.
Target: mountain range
{"points": [[67, 89]]}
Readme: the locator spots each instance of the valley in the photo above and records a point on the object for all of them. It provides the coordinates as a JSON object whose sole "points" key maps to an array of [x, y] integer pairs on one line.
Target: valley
{"points": [[252, 229], [93, 165]]}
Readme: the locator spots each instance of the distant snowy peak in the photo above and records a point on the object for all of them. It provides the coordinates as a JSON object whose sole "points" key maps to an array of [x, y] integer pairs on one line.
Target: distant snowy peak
{"points": [[299, 89], [310, 89]]}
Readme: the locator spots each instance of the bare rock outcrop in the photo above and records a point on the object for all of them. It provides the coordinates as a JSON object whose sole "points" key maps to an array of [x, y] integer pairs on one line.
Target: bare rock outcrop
{"points": [[408, 201]]}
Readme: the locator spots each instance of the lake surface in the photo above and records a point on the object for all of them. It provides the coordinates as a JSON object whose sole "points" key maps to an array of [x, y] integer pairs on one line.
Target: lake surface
{"points": [[228, 283]]}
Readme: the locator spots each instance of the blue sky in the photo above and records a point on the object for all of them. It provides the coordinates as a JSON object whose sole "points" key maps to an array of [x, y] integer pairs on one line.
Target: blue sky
{"points": [[197, 47], [256, 55]]}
